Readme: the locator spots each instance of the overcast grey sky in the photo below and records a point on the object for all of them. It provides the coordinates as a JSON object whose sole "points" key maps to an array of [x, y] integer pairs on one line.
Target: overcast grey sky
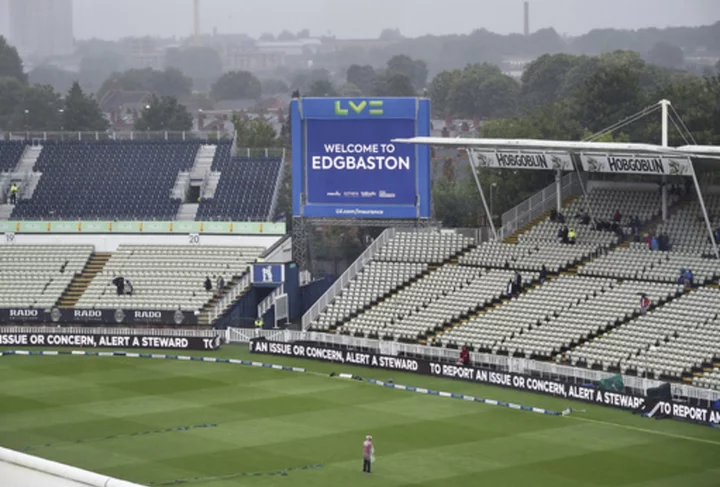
{"points": [[112, 19]]}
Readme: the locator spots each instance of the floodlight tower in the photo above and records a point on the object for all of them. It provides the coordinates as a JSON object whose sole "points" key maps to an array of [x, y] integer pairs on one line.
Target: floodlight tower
{"points": [[196, 18]]}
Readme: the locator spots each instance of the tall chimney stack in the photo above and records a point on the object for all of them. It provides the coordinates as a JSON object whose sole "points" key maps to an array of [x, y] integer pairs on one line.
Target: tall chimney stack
{"points": [[527, 19], [196, 19]]}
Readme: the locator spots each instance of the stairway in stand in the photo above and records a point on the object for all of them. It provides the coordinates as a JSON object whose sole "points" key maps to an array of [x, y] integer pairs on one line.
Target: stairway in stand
{"points": [[513, 239], [80, 282], [204, 316]]}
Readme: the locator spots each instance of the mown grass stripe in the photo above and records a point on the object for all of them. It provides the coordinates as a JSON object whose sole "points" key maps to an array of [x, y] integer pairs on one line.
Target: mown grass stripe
{"points": [[118, 436]]}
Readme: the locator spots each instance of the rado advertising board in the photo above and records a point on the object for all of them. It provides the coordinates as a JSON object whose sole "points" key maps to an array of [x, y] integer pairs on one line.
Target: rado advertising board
{"points": [[97, 316]]}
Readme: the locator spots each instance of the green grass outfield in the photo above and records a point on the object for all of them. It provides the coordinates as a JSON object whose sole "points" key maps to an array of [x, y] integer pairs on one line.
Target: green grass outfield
{"points": [[119, 416]]}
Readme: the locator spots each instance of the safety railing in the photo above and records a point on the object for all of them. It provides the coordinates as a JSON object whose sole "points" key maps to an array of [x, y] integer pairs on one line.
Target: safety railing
{"points": [[536, 205], [80, 330], [39, 136], [276, 189], [269, 301], [226, 301], [576, 375], [346, 277]]}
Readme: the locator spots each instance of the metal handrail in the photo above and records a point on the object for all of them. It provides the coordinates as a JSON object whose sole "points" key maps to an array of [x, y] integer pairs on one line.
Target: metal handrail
{"points": [[346, 277], [227, 300], [269, 301]]}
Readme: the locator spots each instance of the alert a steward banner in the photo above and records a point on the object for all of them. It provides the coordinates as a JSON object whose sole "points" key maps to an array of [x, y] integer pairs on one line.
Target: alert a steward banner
{"points": [[473, 374]]}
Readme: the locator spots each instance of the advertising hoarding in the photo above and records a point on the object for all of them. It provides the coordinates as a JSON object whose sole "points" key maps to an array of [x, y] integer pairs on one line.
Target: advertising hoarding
{"points": [[537, 160], [557, 388], [92, 340], [630, 164]]}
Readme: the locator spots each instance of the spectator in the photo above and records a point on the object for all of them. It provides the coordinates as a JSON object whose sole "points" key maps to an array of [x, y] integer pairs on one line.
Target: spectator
{"points": [[571, 236], [517, 281], [664, 242], [208, 284], [681, 279], [543, 274], [648, 241], [644, 303], [564, 235], [689, 278], [561, 235], [509, 290], [119, 283], [553, 215], [464, 356], [583, 217], [561, 218], [654, 245], [220, 284], [129, 287], [617, 216]]}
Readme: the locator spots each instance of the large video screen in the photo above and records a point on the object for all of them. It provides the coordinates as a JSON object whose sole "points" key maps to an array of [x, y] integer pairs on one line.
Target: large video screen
{"points": [[347, 165]]}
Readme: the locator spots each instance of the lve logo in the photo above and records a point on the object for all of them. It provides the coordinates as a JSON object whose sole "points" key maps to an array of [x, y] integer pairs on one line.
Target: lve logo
{"points": [[345, 109]]}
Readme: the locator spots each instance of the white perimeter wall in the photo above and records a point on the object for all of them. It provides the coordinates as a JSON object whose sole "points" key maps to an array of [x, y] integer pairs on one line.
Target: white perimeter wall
{"points": [[110, 242], [22, 470]]}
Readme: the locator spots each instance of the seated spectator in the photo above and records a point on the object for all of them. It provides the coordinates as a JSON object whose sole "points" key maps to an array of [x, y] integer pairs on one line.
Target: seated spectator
{"points": [[561, 218], [644, 303], [617, 216], [517, 281], [681, 279], [208, 284], [119, 283], [583, 217], [543, 274], [129, 287], [571, 236], [664, 242], [464, 358], [553, 215], [689, 278], [654, 245]]}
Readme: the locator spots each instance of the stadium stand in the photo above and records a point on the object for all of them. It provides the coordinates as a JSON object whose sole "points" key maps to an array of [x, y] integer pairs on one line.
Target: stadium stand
{"points": [[536, 306], [709, 379], [589, 317], [245, 190], [166, 277], [429, 248], [667, 342], [686, 227], [376, 280], [602, 203], [113, 180], [35, 276], [638, 262], [10, 153], [433, 303]]}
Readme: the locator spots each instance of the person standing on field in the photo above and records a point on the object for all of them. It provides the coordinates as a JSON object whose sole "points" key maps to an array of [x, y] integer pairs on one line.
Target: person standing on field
{"points": [[368, 450]]}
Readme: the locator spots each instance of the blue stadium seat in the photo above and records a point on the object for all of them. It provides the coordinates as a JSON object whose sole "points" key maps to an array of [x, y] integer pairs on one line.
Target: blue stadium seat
{"points": [[245, 190], [108, 180], [10, 153]]}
